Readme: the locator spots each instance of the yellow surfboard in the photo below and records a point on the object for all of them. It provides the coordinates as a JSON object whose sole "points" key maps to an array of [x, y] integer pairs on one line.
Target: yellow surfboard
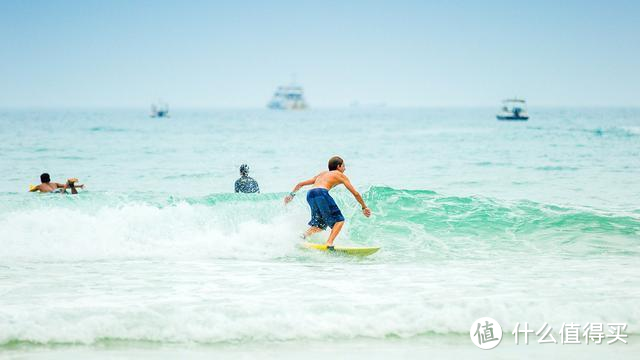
{"points": [[347, 250]]}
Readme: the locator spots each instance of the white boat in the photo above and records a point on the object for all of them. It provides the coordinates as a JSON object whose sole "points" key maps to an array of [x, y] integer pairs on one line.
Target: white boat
{"points": [[513, 109], [290, 97]]}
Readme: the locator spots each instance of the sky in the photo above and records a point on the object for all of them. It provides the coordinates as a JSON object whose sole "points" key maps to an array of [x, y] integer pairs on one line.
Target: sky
{"points": [[210, 54]]}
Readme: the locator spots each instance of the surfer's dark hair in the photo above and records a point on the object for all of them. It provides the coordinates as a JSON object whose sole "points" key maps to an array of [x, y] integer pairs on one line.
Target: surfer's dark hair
{"points": [[334, 162], [45, 178]]}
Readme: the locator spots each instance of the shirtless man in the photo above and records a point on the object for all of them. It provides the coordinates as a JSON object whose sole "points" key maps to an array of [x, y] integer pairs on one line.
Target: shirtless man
{"points": [[47, 186], [324, 211]]}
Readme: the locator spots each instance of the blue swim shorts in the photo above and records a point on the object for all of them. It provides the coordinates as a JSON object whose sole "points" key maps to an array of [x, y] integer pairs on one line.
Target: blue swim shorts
{"points": [[324, 211]]}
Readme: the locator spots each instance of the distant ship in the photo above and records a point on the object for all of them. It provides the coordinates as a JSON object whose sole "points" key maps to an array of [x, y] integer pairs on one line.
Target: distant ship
{"points": [[289, 97], [160, 109], [513, 109]]}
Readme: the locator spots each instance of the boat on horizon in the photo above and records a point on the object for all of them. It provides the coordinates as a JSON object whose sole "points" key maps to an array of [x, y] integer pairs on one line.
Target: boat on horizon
{"points": [[160, 109], [513, 109], [288, 97]]}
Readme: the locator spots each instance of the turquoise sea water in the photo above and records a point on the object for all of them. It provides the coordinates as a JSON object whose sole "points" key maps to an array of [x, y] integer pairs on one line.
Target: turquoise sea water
{"points": [[523, 222]]}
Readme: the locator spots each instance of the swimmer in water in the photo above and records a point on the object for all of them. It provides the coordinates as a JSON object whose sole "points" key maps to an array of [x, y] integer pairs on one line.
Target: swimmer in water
{"points": [[46, 186], [246, 184]]}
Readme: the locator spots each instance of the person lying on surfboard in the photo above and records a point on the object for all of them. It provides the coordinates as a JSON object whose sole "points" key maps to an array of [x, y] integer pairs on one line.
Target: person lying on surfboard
{"points": [[47, 186], [324, 211]]}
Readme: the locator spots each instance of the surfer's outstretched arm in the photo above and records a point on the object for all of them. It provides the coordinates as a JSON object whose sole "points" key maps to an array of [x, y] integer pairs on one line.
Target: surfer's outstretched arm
{"points": [[59, 186], [299, 186], [347, 183]]}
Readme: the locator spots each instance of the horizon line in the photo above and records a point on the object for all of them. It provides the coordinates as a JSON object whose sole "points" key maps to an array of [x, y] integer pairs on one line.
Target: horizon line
{"points": [[311, 108]]}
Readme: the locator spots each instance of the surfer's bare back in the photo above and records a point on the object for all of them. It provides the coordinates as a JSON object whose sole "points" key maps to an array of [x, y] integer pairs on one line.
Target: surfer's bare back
{"points": [[324, 211]]}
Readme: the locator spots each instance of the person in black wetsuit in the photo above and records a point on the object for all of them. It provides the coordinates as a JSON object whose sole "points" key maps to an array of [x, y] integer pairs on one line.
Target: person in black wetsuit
{"points": [[246, 184]]}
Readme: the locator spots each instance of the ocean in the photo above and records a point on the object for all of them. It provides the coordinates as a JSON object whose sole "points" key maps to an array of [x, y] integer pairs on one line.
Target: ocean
{"points": [[535, 222]]}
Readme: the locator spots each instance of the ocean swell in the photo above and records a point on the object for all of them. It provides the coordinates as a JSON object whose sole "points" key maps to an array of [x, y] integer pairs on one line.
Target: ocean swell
{"points": [[409, 224]]}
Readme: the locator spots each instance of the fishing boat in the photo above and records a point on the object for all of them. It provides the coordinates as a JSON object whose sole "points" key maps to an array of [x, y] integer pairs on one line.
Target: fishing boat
{"points": [[513, 109], [160, 109]]}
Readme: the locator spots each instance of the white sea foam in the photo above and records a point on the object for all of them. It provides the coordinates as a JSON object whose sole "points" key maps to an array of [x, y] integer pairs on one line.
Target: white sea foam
{"points": [[144, 231], [227, 302]]}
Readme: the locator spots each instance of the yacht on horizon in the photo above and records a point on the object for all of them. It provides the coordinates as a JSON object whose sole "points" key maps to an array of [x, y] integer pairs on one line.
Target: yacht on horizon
{"points": [[513, 109], [288, 97]]}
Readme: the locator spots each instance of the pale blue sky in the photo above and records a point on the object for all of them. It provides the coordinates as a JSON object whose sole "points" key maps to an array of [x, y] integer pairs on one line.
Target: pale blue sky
{"points": [[402, 53]]}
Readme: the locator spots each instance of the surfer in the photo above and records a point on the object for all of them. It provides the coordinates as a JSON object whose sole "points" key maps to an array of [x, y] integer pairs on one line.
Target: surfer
{"points": [[46, 186], [246, 184], [324, 211]]}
